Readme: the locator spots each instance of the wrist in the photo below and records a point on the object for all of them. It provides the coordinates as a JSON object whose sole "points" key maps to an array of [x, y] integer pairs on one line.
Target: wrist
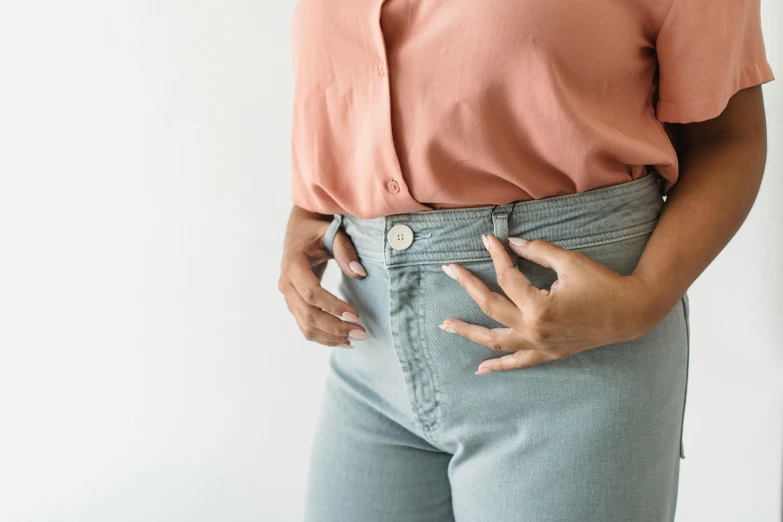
{"points": [[651, 302]]}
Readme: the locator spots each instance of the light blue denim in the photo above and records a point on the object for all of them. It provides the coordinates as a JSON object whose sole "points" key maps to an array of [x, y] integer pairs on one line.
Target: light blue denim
{"points": [[407, 432]]}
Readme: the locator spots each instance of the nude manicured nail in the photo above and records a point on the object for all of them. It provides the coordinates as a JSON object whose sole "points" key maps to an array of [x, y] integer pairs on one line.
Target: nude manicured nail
{"points": [[485, 240], [449, 271], [446, 327], [348, 316], [357, 268], [358, 335], [518, 241], [482, 371]]}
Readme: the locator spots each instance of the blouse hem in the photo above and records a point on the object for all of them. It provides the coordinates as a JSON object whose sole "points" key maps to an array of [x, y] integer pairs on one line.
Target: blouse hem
{"points": [[707, 108]]}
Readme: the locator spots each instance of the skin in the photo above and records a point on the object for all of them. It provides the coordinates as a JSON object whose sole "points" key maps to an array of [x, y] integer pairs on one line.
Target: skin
{"points": [[721, 166]]}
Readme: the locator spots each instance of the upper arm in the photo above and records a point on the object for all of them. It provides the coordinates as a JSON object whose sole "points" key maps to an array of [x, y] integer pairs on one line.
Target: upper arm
{"points": [[743, 119]]}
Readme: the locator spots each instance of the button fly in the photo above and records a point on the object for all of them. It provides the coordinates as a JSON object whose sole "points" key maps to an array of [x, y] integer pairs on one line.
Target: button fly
{"points": [[400, 237]]}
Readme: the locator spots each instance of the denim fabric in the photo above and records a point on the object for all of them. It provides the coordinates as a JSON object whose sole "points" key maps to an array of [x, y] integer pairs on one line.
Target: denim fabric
{"points": [[408, 433]]}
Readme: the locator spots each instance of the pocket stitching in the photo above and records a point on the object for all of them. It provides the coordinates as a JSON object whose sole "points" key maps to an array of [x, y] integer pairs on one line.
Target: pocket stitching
{"points": [[584, 241]]}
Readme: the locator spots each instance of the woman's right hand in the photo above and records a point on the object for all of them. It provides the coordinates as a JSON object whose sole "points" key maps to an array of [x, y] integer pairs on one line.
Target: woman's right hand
{"points": [[316, 310]]}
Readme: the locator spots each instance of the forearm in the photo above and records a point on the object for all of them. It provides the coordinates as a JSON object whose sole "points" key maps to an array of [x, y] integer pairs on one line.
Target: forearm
{"points": [[718, 183]]}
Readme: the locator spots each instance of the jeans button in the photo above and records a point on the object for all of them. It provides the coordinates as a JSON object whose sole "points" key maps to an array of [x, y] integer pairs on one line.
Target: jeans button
{"points": [[400, 237]]}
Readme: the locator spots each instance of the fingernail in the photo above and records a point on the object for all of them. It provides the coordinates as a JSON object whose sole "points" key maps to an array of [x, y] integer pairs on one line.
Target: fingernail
{"points": [[482, 371], [485, 240], [518, 241], [449, 271], [446, 328], [358, 335], [357, 268], [343, 345], [350, 317]]}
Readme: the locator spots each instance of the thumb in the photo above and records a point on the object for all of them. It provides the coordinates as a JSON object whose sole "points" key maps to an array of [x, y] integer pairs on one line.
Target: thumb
{"points": [[542, 252], [346, 257]]}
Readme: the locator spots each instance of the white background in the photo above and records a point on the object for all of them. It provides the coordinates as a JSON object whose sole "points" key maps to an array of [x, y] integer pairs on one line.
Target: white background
{"points": [[149, 368]]}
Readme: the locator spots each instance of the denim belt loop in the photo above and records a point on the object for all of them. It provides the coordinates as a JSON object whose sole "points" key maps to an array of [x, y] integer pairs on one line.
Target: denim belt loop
{"points": [[500, 229], [331, 231], [500, 225]]}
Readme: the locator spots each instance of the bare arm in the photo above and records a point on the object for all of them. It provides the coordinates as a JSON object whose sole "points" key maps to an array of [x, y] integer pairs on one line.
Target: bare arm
{"points": [[721, 165]]}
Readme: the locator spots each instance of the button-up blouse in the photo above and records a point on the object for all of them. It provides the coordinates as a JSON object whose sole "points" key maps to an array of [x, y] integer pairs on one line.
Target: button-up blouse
{"points": [[415, 105]]}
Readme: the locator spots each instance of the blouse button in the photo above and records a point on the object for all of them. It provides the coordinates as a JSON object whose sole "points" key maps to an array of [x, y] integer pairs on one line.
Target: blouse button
{"points": [[393, 186], [381, 68]]}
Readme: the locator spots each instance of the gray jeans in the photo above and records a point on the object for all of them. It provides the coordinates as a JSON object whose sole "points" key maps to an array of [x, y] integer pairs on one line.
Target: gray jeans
{"points": [[408, 433]]}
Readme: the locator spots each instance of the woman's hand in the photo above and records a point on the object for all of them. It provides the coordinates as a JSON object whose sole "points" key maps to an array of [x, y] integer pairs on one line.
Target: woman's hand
{"points": [[588, 306], [316, 310]]}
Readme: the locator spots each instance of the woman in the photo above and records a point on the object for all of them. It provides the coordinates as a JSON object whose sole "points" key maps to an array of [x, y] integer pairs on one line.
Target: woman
{"points": [[489, 177]]}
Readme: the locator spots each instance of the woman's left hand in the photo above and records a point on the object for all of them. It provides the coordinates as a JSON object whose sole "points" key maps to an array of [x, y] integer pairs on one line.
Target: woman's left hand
{"points": [[589, 305]]}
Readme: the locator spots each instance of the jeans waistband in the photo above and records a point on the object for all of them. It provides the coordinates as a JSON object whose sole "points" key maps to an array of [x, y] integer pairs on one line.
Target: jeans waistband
{"points": [[575, 220]]}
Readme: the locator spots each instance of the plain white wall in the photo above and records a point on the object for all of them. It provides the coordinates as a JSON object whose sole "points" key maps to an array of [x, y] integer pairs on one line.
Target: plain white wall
{"points": [[150, 370]]}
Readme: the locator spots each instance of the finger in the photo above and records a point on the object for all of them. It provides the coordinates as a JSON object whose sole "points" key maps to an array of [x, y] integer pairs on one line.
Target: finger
{"points": [[493, 304], [542, 252], [319, 337], [313, 333], [346, 257], [323, 325], [502, 339], [516, 360], [338, 345], [300, 274], [513, 282]]}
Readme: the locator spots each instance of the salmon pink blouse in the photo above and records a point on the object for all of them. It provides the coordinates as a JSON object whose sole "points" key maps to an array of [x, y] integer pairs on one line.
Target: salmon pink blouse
{"points": [[414, 105]]}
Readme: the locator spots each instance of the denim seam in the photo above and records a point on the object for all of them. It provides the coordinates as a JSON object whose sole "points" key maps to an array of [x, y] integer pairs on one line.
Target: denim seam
{"points": [[603, 242], [686, 315], [638, 232], [433, 422]]}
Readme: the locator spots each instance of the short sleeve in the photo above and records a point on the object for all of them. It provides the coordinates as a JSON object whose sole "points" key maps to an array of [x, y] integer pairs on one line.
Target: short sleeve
{"points": [[707, 51]]}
